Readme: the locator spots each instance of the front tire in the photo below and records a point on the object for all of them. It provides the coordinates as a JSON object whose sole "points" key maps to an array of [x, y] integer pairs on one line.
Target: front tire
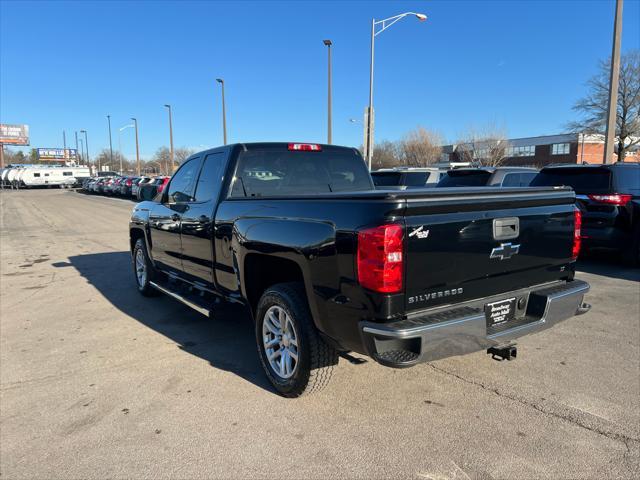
{"points": [[143, 269], [293, 355]]}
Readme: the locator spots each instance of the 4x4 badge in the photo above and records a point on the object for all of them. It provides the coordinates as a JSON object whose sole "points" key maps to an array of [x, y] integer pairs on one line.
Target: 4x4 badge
{"points": [[505, 251], [419, 232]]}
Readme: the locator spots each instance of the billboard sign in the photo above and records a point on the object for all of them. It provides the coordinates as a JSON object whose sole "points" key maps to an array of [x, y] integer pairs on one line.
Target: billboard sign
{"points": [[59, 154], [14, 134]]}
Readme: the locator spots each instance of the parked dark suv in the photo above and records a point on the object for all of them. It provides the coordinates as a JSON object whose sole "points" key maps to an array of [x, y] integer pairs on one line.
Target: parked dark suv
{"points": [[488, 177], [609, 198]]}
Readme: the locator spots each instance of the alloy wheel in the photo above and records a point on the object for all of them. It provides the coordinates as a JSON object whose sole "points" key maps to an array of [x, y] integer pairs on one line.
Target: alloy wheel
{"points": [[280, 342]]}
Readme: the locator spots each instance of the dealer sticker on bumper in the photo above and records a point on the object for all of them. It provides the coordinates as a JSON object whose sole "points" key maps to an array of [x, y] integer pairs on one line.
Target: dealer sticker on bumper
{"points": [[499, 313]]}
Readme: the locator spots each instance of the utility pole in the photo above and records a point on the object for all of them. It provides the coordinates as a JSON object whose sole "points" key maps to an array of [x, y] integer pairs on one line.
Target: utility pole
{"points": [[110, 145], [224, 113], [64, 140], [135, 123], [328, 44], [170, 171], [614, 78]]}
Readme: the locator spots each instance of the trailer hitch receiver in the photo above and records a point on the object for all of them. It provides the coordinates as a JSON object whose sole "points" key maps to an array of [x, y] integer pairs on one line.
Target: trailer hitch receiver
{"points": [[506, 352]]}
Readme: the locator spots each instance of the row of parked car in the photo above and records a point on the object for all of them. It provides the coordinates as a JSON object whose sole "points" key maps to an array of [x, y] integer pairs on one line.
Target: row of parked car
{"points": [[139, 188], [607, 196]]}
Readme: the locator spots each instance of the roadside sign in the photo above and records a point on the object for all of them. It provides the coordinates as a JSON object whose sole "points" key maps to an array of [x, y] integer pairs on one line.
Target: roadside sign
{"points": [[14, 134], [60, 154]]}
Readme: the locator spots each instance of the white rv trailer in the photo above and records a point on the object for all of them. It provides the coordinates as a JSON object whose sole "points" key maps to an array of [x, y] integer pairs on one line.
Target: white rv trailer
{"points": [[52, 176], [13, 174]]}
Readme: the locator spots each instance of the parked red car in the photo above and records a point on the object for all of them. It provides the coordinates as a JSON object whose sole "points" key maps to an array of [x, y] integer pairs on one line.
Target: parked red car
{"points": [[149, 190], [160, 183]]}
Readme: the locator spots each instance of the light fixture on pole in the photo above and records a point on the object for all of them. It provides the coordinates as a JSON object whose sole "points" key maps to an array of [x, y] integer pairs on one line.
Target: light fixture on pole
{"points": [[120, 143], [170, 141], [135, 125], [386, 23], [328, 44], [224, 113]]}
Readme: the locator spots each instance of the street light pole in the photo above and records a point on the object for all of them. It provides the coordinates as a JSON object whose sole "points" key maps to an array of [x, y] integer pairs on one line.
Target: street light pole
{"points": [[169, 171], [614, 78], [135, 124], [386, 23], [86, 146], [82, 152], [224, 113], [76, 132], [110, 145], [328, 44], [368, 148]]}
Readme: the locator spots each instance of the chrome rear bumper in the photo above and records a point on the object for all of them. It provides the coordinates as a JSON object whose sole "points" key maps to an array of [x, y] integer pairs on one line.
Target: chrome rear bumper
{"points": [[461, 330]]}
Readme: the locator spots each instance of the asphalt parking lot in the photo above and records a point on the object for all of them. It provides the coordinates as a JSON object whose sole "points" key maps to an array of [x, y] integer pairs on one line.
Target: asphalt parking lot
{"points": [[97, 381]]}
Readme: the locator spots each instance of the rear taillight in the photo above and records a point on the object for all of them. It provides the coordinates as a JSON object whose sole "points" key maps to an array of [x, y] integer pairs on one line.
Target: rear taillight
{"points": [[380, 258], [305, 147], [577, 238], [618, 199], [129, 182]]}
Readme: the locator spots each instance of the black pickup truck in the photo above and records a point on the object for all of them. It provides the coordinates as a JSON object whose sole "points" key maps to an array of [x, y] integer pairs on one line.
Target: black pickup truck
{"points": [[326, 264]]}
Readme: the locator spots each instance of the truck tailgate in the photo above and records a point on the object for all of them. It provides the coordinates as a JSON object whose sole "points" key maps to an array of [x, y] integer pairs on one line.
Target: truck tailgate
{"points": [[467, 246]]}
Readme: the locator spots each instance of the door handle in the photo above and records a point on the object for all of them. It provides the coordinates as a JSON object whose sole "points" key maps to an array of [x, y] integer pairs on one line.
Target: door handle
{"points": [[203, 219], [175, 217]]}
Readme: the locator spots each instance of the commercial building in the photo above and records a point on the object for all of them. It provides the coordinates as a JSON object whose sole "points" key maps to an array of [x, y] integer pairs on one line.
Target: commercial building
{"points": [[537, 151]]}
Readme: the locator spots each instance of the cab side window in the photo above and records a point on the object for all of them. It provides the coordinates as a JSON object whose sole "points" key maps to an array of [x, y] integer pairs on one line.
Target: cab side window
{"points": [[210, 179], [182, 185]]}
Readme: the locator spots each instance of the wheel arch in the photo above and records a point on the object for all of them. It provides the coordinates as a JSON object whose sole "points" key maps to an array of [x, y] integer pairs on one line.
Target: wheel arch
{"points": [[262, 271]]}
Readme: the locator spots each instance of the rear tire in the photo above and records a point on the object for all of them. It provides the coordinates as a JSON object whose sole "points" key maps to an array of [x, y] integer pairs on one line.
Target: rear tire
{"points": [[293, 355], [143, 269]]}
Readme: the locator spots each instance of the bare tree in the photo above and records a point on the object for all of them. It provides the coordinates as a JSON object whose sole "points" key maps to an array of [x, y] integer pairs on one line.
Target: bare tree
{"points": [[593, 107], [420, 147], [14, 157], [385, 155], [487, 146], [104, 159], [163, 158], [182, 153]]}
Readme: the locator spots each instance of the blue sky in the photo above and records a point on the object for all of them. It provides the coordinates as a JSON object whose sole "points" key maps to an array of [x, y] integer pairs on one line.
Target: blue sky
{"points": [[520, 64]]}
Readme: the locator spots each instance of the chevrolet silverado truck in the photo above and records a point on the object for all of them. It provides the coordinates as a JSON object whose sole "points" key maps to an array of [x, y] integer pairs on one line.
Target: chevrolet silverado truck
{"points": [[327, 265]]}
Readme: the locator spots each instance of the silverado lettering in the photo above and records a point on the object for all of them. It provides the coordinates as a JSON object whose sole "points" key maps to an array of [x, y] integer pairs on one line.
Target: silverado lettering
{"points": [[440, 294]]}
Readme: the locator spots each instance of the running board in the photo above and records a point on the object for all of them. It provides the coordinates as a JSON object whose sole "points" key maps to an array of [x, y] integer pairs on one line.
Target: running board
{"points": [[189, 303]]}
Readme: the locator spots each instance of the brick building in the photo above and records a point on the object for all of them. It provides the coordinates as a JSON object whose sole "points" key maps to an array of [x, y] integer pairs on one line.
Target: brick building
{"points": [[540, 151]]}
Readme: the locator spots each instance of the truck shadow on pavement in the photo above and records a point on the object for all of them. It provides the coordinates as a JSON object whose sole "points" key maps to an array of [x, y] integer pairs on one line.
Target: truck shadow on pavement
{"points": [[608, 266], [226, 341]]}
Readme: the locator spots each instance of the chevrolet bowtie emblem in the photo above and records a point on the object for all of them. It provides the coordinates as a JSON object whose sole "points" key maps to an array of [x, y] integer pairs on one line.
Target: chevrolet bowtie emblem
{"points": [[505, 251]]}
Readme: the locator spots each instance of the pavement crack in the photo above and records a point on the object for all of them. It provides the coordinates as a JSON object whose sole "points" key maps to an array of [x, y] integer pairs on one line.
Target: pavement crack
{"points": [[571, 415]]}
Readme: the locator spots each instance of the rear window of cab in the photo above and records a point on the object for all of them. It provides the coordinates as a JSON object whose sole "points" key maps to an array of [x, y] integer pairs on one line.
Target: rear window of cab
{"points": [[272, 173]]}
